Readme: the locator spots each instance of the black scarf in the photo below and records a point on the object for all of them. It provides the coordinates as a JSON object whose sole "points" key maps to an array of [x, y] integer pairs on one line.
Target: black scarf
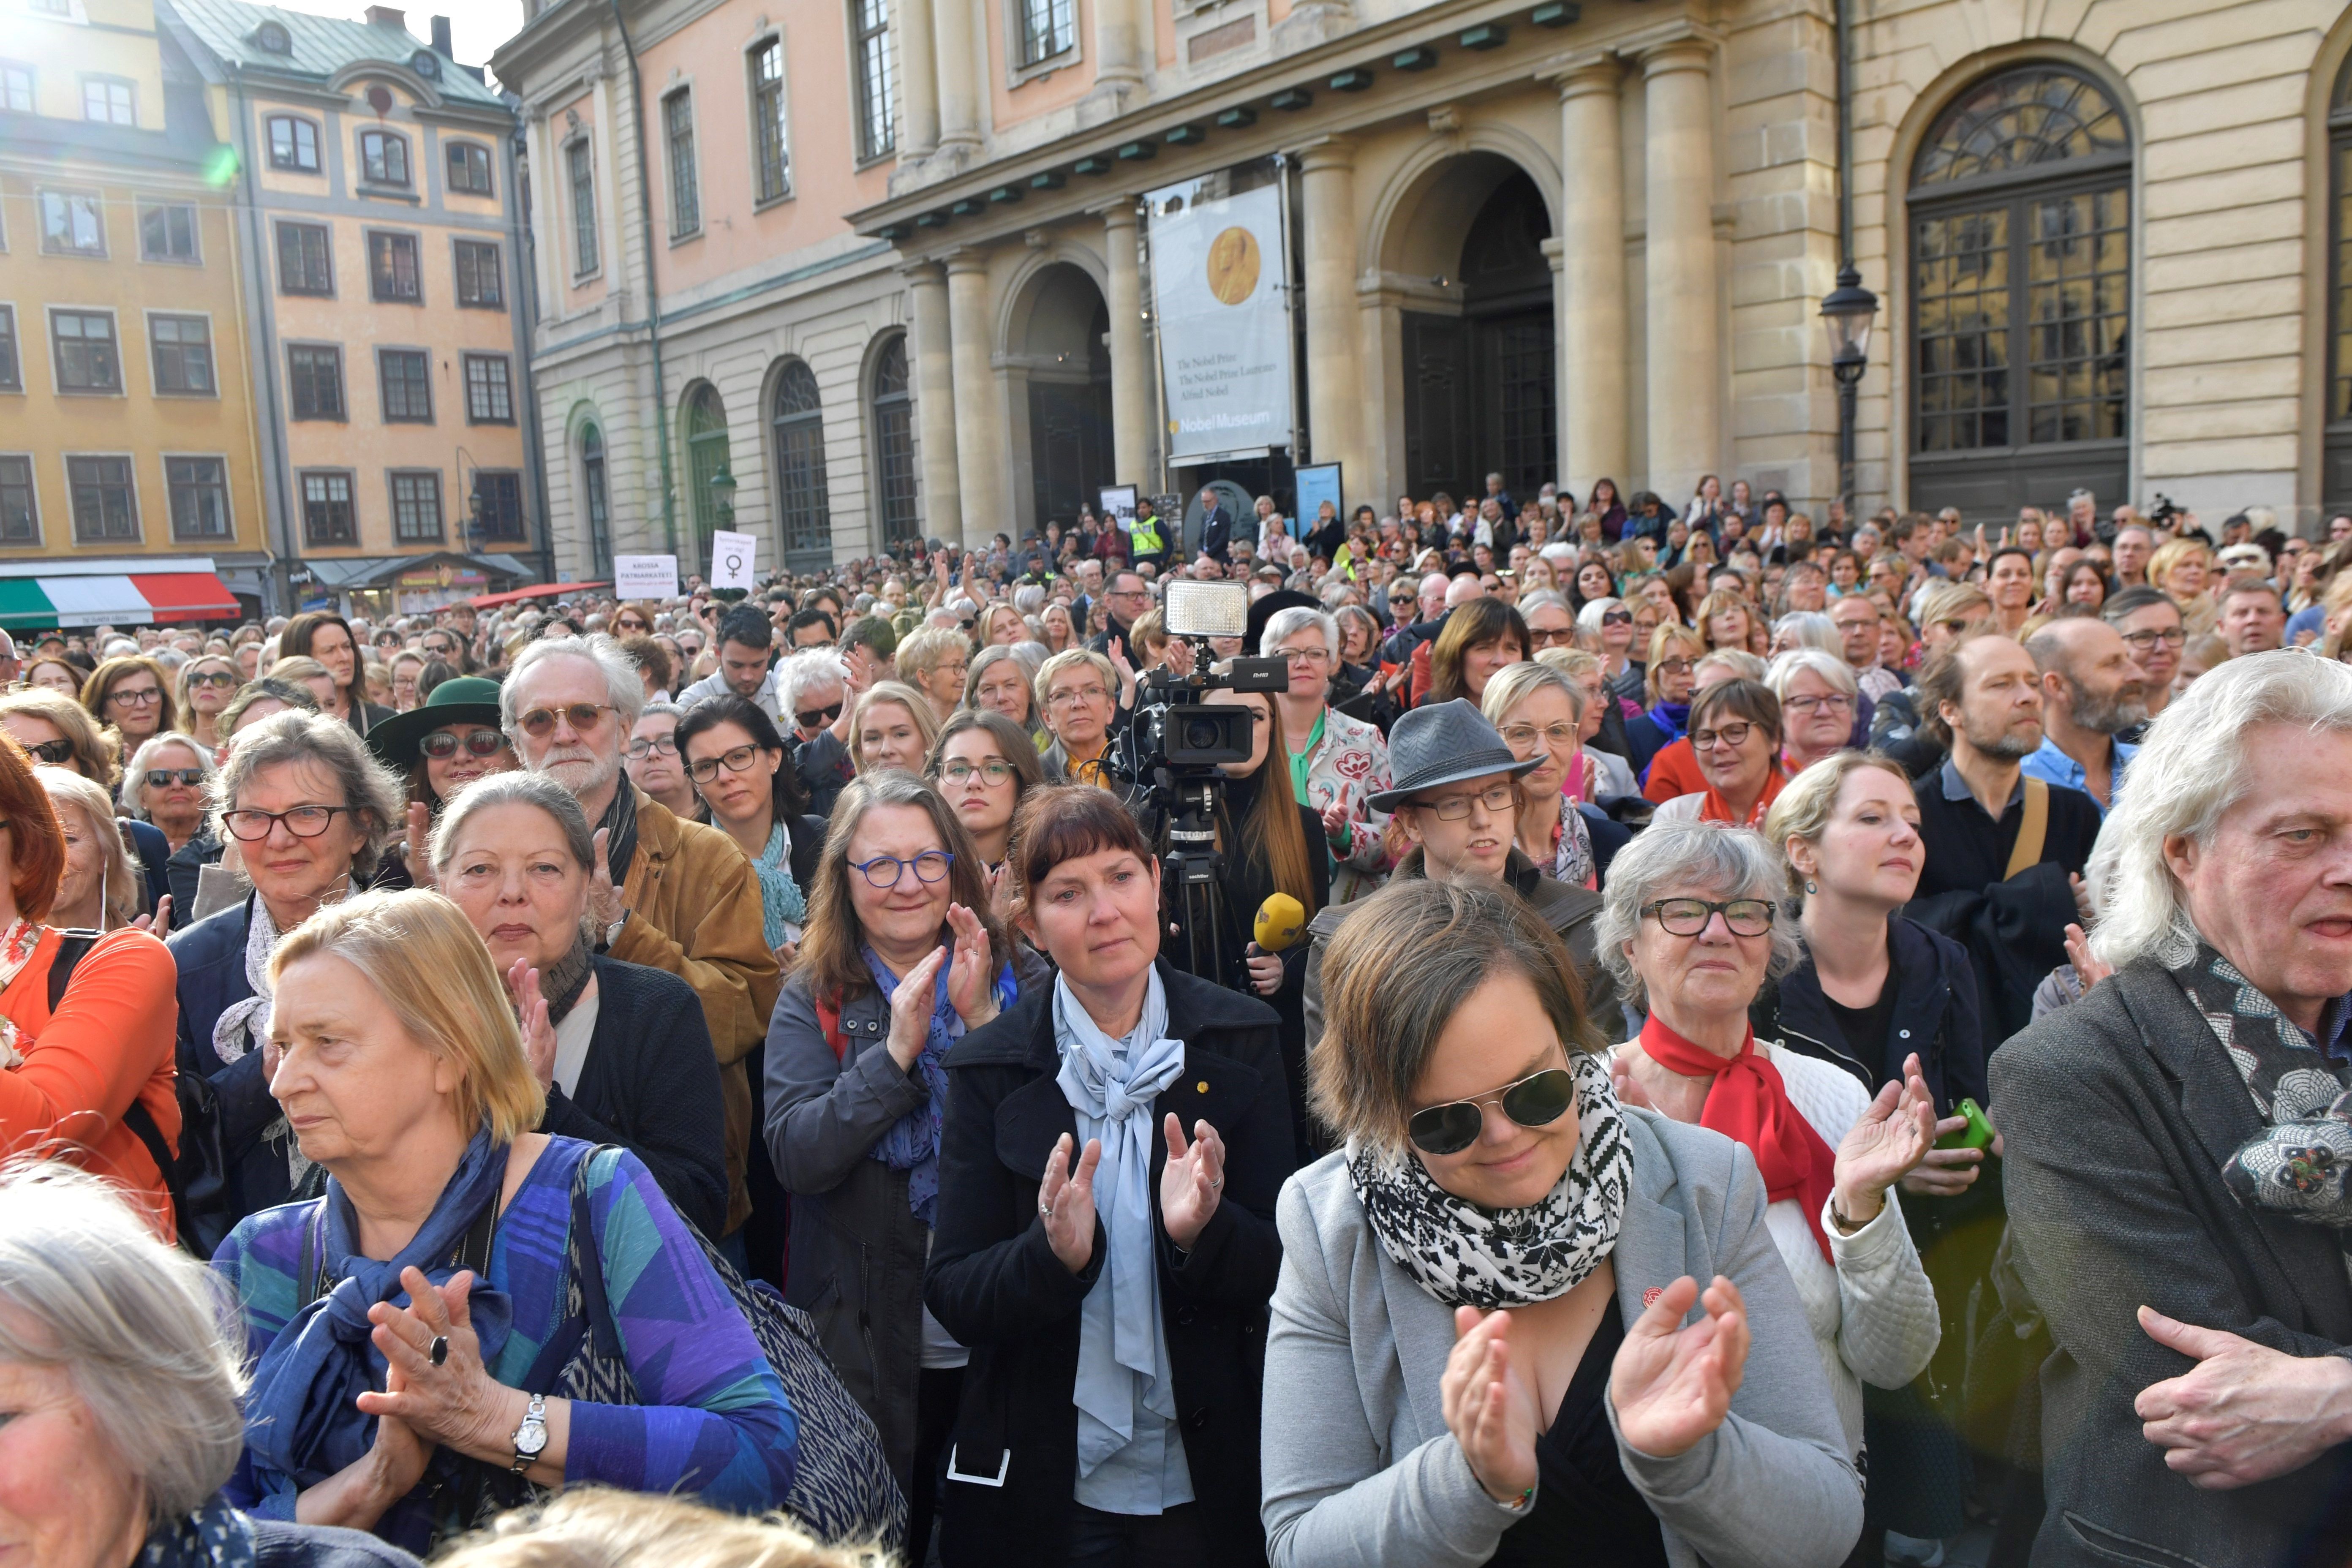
{"points": [[565, 980], [620, 821]]}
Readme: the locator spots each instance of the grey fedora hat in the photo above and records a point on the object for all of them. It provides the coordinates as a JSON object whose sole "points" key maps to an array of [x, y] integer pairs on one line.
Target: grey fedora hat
{"points": [[1444, 743]]}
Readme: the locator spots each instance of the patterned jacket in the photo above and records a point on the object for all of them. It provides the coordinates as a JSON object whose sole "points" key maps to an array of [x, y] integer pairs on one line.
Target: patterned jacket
{"points": [[1350, 764]]}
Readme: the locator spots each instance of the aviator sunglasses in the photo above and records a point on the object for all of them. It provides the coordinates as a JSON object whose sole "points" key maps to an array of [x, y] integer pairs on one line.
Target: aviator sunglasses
{"points": [[1536, 1101]]}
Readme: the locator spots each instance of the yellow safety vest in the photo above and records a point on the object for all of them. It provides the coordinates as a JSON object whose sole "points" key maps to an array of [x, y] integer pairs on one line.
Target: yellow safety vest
{"points": [[1144, 536]]}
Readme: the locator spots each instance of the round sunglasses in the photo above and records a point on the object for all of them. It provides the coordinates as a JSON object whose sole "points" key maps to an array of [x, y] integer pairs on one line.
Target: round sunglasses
{"points": [[443, 744], [1536, 1101]]}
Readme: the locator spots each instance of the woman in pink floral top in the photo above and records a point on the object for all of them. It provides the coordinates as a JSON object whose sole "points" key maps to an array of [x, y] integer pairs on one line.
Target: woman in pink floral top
{"points": [[1337, 763]]}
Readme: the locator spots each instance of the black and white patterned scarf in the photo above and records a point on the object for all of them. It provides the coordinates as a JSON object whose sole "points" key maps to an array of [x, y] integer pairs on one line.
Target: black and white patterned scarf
{"points": [[1466, 1255], [2299, 1164]]}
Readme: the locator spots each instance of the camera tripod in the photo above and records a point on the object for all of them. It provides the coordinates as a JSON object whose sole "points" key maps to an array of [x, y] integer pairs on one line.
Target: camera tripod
{"points": [[1191, 873]]}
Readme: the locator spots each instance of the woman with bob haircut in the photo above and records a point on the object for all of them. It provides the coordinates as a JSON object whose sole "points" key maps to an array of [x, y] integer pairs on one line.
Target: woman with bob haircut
{"points": [[1476, 1353], [123, 1394], [1735, 735], [1668, 679], [118, 694], [901, 958], [1113, 1148], [1479, 639], [892, 726], [393, 1323]]}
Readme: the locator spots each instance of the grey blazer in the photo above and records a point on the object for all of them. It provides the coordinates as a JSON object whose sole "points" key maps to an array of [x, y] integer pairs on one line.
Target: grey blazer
{"points": [[1358, 1466]]}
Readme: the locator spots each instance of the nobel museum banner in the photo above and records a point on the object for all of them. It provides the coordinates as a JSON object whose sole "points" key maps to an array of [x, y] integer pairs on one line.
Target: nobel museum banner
{"points": [[1220, 304]]}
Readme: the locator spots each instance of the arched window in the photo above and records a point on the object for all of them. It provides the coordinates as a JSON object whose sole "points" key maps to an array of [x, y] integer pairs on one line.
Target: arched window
{"points": [[595, 496], [894, 439], [2020, 295], [805, 526], [2336, 472], [706, 460]]}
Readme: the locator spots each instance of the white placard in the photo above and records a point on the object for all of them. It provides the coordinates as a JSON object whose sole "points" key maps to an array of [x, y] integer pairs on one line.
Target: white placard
{"points": [[731, 559], [1119, 507], [1218, 266], [644, 576]]}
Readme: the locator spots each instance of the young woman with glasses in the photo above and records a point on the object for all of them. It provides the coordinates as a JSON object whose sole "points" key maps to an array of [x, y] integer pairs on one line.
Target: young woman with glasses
{"points": [[982, 764], [750, 790]]}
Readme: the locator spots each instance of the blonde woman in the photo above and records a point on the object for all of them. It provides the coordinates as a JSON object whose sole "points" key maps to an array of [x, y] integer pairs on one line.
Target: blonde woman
{"points": [[2183, 568], [892, 726], [98, 889], [1539, 712]]}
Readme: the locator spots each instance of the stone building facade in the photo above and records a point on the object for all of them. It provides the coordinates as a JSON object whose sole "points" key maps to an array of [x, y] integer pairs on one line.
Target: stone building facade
{"points": [[1555, 239]]}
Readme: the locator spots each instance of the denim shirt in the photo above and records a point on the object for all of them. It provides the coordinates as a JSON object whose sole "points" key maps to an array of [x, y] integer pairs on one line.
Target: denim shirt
{"points": [[2052, 765]]}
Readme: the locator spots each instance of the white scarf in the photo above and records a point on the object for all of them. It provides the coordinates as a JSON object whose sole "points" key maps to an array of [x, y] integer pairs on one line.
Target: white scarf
{"points": [[244, 1024]]}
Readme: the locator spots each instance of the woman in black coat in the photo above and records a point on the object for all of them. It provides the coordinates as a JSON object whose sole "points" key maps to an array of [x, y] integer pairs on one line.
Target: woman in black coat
{"points": [[1030, 1219], [621, 1049]]}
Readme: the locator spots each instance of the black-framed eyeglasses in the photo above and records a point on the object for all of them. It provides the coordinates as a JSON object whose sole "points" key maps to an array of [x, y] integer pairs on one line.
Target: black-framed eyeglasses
{"points": [[57, 752], [816, 718], [1732, 735], [886, 870], [1835, 702], [961, 771], [735, 759], [164, 778], [1536, 1101], [2170, 637], [1497, 797], [139, 698], [653, 746], [583, 718], [1688, 917], [443, 744], [247, 825]]}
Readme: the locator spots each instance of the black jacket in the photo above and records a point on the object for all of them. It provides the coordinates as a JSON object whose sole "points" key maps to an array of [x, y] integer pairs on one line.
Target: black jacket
{"points": [[1216, 534], [2119, 1114], [1935, 1013], [211, 959], [994, 1283], [650, 1084]]}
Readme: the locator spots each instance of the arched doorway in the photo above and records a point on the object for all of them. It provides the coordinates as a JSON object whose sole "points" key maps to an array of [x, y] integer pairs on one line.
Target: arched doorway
{"points": [[1060, 363], [804, 514], [1480, 362], [706, 460]]}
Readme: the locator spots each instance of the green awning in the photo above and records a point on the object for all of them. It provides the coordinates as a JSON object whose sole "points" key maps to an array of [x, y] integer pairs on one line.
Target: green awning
{"points": [[22, 603]]}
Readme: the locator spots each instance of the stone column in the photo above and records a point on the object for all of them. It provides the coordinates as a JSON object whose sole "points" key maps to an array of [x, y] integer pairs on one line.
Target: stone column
{"points": [[1130, 374], [1685, 358], [1122, 35], [1335, 391], [1593, 416], [958, 72], [935, 402], [979, 422], [918, 80]]}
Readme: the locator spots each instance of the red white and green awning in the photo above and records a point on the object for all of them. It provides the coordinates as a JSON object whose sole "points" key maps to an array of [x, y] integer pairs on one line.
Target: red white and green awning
{"points": [[35, 595]]}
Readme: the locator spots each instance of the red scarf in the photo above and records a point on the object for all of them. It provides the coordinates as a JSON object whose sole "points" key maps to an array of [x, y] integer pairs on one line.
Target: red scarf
{"points": [[1749, 1103]]}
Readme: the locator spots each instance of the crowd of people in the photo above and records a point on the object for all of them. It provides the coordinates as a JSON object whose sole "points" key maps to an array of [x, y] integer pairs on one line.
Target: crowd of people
{"points": [[1717, 1038]]}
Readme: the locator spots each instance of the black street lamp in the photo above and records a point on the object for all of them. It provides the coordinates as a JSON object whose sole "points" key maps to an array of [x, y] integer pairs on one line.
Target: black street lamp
{"points": [[1848, 310]]}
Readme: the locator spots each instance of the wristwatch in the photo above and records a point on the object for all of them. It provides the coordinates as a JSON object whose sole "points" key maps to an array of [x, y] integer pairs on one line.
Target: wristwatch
{"points": [[531, 1438], [613, 931]]}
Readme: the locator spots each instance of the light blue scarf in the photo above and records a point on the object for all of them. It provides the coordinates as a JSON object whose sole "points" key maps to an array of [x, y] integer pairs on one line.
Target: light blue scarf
{"points": [[781, 902], [1111, 1085]]}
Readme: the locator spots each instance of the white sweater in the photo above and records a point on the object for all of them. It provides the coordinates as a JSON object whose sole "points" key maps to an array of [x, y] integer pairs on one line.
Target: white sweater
{"points": [[1873, 1315]]}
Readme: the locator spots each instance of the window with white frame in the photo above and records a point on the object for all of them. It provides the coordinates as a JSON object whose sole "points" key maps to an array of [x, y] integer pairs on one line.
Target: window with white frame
{"points": [[582, 168], [198, 490], [16, 88], [685, 190], [12, 371], [109, 100], [774, 146], [20, 509], [105, 499], [183, 347], [1047, 28], [73, 223], [870, 34]]}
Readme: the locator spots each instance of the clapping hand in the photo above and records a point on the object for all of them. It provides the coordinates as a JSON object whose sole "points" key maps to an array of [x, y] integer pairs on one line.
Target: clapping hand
{"points": [[1066, 1203], [538, 1033], [1894, 1134], [605, 903], [1192, 1181], [972, 971], [911, 1006], [1489, 1406], [1672, 1385], [159, 924], [455, 1401]]}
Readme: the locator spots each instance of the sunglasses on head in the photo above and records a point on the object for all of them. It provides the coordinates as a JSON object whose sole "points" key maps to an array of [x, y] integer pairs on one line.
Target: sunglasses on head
{"points": [[443, 744], [1536, 1101], [816, 718]]}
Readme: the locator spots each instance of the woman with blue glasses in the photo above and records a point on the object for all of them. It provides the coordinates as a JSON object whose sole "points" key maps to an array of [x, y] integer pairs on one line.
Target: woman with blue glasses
{"points": [[900, 956]]}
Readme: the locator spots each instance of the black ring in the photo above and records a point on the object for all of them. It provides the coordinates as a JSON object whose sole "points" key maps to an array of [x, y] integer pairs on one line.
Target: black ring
{"points": [[440, 1352]]}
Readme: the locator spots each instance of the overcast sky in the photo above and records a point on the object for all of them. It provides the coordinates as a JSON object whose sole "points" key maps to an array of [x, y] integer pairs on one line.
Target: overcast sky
{"points": [[476, 27]]}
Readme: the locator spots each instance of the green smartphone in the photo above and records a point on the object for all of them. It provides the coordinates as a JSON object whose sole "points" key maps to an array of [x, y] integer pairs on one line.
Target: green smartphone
{"points": [[1976, 1134]]}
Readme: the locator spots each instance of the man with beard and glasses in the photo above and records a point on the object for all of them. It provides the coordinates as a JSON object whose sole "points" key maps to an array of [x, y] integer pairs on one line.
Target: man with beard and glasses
{"points": [[668, 893], [2005, 852], [2093, 690]]}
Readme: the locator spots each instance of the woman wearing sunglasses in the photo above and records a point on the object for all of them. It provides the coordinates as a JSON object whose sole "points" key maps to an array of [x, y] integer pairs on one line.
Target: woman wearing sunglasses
{"points": [[900, 957], [1476, 1353], [750, 792], [165, 786], [206, 685], [439, 747], [1132, 1281], [1692, 930]]}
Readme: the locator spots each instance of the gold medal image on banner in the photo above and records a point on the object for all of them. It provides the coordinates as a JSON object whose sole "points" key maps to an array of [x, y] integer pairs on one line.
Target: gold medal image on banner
{"points": [[1233, 266]]}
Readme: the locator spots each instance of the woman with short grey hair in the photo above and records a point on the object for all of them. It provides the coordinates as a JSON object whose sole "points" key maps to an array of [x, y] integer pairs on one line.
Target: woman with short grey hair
{"points": [[1807, 629], [124, 1387], [1692, 929], [1819, 698]]}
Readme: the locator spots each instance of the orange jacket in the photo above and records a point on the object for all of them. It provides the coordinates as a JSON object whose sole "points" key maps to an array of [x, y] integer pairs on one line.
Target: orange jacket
{"points": [[111, 1040]]}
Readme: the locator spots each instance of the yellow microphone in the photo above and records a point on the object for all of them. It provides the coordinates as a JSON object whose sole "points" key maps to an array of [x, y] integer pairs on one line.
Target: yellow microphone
{"points": [[1280, 921]]}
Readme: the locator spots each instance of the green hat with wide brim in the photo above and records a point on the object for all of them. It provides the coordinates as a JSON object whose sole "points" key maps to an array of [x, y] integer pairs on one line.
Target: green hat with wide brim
{"points": [[463, 700]]}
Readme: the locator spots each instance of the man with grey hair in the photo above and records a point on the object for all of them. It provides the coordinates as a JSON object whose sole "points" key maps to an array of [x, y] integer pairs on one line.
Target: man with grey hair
{"points": [[2177, 1148], [668, 893], [2092, 691]]}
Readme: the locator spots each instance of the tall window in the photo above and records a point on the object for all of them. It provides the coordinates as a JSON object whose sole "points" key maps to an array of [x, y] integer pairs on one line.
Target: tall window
{"points": [[305, 265], [105, 502], [768, 120], [383, 158], [73, 223], [489, 400], [706, 454], [167, 233], [314, 381], [12, 371], [2336, 471], [406, 377], [87, 360], [799, 422], [20, 513], [894, 439], [684, 194], [293, 144], [108, 100], [1046, 31], [416, 507], [327, 515], [16, 88], [877, 131], [479, 281], [183, 347], [393, 272], [583, 208], [2020, 287], [199, 494], [469, 168], [596, 496], [499, 495]]}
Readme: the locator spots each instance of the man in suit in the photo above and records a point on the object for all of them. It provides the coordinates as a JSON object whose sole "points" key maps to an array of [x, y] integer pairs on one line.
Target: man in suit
{"points": [[2176, 1157], [1216, 525]]}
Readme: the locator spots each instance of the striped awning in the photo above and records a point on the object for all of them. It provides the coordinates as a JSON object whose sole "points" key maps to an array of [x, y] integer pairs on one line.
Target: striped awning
{"points": [[94, 599]]}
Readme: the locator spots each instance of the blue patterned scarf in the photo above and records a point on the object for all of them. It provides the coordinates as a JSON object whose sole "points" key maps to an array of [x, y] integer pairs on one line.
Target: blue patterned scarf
{"points": [[1673, 717], [912, 1144], [781, 903], [214, 1536], [302, 1417]]}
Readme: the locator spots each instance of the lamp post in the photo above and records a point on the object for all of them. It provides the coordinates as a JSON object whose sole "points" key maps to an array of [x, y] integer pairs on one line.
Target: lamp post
{"points": [[1848, 310]]}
